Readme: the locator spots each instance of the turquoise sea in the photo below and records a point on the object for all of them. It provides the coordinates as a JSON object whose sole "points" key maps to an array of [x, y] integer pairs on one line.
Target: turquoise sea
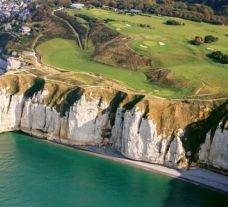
{"points": [[35, 173]]}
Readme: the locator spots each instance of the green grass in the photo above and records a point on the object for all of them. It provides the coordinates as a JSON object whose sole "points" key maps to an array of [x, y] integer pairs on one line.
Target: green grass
{"points": [[187, 61], [66, 54]]}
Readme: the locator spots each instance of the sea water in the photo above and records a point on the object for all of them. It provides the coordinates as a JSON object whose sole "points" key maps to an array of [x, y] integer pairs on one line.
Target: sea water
{"points": [[35, 173]]}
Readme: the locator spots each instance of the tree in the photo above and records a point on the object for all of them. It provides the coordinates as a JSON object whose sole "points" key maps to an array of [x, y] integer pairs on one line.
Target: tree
{"points": [[225, 10], [219, 57], [197, 40], [210, 39], [173, 22]]}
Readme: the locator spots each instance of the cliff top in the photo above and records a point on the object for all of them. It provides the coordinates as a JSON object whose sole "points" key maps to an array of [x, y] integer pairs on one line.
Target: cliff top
{"points": [[62, 91]]}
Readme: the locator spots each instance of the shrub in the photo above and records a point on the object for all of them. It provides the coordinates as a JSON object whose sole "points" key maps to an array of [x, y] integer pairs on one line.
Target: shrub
{"points": [[197, 41], [219, 57], [173, 22], [145, 25], [210, 39], [108, 20]]}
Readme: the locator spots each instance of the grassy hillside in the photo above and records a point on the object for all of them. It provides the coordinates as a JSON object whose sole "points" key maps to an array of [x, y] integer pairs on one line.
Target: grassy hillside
{"points": [[169, 47], [67, 55]]}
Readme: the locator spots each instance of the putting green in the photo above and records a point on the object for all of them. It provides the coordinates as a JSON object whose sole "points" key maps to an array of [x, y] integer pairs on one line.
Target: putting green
{"points": [[150, 43]]}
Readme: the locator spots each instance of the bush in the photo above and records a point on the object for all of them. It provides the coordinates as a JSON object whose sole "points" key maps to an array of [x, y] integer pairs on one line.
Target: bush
{"points": [[210, 39], [174, 22], [219, 57], [197, 41], [145, 25], [108, 20]]}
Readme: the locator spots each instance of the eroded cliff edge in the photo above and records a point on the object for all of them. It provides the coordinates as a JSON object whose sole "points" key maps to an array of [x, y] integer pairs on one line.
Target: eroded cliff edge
{"points": [[161, 131]]}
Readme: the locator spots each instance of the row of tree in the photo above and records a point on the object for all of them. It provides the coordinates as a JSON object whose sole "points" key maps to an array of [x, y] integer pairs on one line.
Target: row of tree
{"points": [[200, 40], [176, 8], [219, 6], [197, 10]]}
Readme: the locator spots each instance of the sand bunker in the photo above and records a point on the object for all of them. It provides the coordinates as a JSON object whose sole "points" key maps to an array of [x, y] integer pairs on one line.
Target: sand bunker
{"points": [[211, 49], [161, 43], [143, 46]]}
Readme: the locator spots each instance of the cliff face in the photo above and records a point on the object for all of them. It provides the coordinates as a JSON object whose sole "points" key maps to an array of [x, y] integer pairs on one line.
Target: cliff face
{"points": [[172, 133]]}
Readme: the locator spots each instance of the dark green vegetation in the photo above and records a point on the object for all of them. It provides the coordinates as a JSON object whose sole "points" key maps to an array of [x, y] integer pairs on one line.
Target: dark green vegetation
{"points": [[207, 39], [196, 10], [36, 173], [197, 40], [4, 39], [218, 56], [210, 39], [173, 22]]}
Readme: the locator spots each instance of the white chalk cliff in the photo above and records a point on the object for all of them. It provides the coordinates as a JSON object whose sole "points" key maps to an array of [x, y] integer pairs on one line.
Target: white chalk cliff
{"points": [[150, 130]]}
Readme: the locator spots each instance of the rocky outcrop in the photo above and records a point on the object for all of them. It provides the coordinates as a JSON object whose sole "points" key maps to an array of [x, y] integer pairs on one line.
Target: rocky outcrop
{"points": [[167, 132], [14, 64], [10, 64], [209, 150]]}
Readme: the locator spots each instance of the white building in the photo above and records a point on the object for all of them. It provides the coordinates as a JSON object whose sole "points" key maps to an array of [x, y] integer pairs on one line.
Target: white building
{"points": [[25, 30], [77, 6], [135, 11]]}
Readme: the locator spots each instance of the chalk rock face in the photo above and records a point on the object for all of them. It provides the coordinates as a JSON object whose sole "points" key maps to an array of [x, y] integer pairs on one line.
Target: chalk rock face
{"points": [[137, 138], [153, 131], [13, 64], [10, 64], [86, 122], [83, 123], [10, 112], [215, 153]]}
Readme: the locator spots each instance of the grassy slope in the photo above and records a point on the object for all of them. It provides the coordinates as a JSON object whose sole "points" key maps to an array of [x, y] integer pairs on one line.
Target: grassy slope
{"points": [[67, 55], [177, 54]]}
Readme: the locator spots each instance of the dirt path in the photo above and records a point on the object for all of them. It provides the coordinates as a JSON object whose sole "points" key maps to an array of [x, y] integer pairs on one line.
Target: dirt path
{"points": [[66, 22], [203, 86]]}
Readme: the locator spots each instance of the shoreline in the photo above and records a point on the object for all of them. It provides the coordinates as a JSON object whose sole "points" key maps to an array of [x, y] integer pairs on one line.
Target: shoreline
{"points": [[197, 176]]}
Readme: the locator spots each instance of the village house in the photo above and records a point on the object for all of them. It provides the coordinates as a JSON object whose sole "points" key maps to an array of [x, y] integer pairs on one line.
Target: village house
{"points": [[135, 11], [25, 30], [12, 9], [77, 6]]}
